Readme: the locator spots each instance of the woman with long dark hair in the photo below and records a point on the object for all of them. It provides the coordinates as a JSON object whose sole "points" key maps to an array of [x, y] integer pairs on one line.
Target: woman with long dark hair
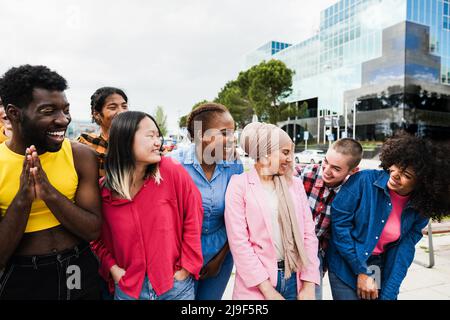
{"points": [[150, 244], [378, 216]]}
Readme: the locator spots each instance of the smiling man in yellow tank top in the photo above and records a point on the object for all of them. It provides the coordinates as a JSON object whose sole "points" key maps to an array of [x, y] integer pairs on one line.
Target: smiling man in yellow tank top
{"points": [[49, 195]]}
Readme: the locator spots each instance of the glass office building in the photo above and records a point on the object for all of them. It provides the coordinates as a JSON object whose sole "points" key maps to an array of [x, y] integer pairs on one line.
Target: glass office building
{"points": [[388, 59]]}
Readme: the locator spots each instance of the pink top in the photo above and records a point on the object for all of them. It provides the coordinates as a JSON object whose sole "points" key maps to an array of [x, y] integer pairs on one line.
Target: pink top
{"points": [[250, 233], [392, 229]]}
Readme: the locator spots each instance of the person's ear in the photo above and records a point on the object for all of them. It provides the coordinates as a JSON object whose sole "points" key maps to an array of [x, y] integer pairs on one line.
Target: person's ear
{"points": [[13, 113], [97, 117], [353, 171]]}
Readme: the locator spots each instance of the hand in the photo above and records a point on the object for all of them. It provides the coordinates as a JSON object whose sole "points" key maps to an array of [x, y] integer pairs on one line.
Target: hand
{"points": [[43, 188], [117, 273], [273, 295], [307, 292], [181, 274], [269, 292], [212, 268], [367, 287], [26, 188]]}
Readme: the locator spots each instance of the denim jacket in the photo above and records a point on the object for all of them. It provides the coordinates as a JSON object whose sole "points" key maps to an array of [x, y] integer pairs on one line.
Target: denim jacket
{"points": [[358, 215]]}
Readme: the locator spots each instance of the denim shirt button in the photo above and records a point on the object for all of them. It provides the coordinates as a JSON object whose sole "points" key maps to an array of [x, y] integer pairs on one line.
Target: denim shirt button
{"points": [[382, 221], [390, 204], [367, 253], [376, 238]]}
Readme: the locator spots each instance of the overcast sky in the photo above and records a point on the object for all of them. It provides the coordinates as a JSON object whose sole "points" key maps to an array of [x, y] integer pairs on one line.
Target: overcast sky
{"points": [[172, 53]]}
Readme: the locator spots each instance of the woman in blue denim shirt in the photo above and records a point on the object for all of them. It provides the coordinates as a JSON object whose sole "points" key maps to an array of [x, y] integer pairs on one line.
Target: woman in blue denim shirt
{"points": [[378, 216], [211, 162]]}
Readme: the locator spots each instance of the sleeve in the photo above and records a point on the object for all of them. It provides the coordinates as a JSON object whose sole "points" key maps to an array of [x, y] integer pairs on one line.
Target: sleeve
{"points": [[247, 262], [191, 257], [403, 257], [105, 257], [311, 272], [303, 170], [343, 210]]}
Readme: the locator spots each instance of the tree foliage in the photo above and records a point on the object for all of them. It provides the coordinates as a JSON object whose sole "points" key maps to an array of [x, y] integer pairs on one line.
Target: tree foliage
{"points": [[161, 120], [259, 90]]}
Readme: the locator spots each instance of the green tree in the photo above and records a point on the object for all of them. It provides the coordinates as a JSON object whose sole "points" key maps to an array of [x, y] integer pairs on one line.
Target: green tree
{"points": [[161, 119], [259, 90], [292, 111], [182, 122], [199, 104], [270, 83], [239, 106]]}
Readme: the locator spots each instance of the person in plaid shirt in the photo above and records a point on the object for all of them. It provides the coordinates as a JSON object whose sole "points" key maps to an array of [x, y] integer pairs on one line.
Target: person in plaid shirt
{"points": [[106, 103], [322, 182]]}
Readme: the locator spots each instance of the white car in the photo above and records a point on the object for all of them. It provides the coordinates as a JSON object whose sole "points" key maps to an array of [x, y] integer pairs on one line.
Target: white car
{"points": [[310, 156]]}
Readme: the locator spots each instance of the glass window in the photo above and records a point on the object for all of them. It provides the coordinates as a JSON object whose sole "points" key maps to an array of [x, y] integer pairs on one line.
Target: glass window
{"points": [[446, 8], [415, 8], [422, 11], [409, 14]]}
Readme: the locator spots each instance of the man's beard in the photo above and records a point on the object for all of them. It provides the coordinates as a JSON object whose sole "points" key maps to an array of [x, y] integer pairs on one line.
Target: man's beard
{"points": [[34, 136]]}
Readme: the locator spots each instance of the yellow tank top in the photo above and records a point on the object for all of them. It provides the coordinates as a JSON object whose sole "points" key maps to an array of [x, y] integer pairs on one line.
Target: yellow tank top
{"points": [[3, 138], [61, 173]]}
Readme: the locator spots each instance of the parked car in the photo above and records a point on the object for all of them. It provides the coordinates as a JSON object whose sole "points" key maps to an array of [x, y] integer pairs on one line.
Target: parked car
{"points": [[309, 156], [169, 144]]}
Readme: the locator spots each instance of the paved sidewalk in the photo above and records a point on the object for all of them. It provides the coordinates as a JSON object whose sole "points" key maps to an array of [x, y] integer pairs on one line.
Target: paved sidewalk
{"points": [[420, 283]]}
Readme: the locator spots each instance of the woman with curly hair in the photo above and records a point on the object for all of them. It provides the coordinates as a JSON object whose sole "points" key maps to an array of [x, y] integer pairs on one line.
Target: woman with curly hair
{"points": [[210, 162], [378, 217]]}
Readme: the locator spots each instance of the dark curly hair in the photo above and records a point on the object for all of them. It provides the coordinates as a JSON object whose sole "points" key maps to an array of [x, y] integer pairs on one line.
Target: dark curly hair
{"points": [[429, 160], [203, 113], [18, 83], [99, 97]]}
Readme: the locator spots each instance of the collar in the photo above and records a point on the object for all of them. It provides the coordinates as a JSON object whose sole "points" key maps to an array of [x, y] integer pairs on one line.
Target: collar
{"points": [[382, 181], [253, 177], [319, 183], [190, 157]]}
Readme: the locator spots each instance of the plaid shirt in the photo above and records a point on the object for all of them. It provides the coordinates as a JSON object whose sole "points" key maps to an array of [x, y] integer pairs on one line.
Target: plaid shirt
{"points": [[320, 198], [99, 145]]}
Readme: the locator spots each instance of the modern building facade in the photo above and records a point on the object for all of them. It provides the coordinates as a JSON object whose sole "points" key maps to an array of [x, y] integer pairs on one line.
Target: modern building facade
{"points": [[387, 59]]}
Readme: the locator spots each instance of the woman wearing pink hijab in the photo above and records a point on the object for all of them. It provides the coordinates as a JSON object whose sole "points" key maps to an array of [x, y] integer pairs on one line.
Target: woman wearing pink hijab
{"points": [[269, 223]]}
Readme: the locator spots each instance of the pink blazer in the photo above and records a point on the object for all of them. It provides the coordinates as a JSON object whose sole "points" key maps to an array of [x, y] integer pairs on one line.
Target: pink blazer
{"points": [[249, 228]]}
